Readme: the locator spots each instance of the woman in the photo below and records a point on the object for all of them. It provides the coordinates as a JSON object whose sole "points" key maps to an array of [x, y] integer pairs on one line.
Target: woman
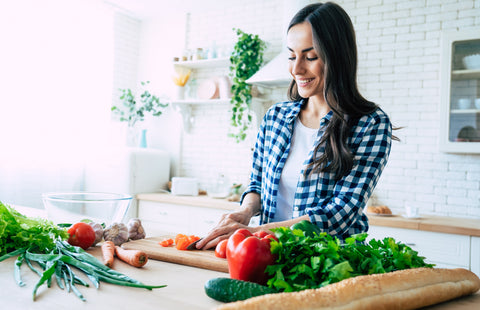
{"points": [[319, 156]]}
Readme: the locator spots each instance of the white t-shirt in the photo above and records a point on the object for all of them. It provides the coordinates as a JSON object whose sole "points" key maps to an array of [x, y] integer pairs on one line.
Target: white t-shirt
{"points": [[302, 142]]}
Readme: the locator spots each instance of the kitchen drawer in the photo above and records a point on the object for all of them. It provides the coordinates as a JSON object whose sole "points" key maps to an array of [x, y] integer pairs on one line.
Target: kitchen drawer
{"points": [[475, 255], [168, 217], [443, 250], [204, 219]]}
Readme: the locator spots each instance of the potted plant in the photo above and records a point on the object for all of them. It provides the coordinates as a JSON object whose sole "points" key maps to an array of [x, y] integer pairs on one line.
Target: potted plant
{"points": [[134, 110], [246, 60]]}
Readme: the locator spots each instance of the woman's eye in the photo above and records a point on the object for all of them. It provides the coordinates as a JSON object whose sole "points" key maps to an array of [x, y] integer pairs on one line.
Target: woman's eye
{"points": [[312, 58], [291, 58]]}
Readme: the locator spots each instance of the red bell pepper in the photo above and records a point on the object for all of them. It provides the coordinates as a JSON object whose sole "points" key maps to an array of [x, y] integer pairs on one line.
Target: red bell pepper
{"points": [[248, 255]]}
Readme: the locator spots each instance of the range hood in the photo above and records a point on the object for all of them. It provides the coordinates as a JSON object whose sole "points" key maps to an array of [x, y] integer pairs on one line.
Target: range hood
{"points": [[275, 72]]}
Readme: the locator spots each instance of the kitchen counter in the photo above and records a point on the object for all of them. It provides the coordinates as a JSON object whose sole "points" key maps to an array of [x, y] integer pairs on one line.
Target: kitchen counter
{"points": [[442, 224], [184, 291], [459, 226], [196, 201]]}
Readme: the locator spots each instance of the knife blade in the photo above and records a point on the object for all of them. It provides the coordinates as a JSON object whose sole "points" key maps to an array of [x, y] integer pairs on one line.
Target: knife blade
{"points": [[191, 246]]}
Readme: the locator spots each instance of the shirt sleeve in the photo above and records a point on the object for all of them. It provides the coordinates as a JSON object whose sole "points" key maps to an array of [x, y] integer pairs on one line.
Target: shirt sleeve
{"points": [[255, 184], [371, 148]]}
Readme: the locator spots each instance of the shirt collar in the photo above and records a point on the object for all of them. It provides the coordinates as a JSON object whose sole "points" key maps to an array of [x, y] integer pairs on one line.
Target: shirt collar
{"points": [[295, 110]]}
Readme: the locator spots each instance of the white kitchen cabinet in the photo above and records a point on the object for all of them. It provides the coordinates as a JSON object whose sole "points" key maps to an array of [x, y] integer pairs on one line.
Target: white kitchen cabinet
{"points": [[475, 255], [177, 218], [443, 250], [164, 217], [460, 86]]}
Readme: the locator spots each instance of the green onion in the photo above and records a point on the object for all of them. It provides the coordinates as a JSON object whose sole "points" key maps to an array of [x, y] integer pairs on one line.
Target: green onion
{"points": [[17, 272]]}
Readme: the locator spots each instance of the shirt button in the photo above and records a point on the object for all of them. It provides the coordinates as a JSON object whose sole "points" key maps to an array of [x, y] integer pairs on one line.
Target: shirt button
{"points": [[295, 209]]}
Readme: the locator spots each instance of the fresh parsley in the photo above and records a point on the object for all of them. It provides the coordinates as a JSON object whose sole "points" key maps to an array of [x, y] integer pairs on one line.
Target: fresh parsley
{"points": [[316, 261]]}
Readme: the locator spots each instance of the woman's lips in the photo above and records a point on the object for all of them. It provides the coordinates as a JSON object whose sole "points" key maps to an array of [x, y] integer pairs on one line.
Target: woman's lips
{"points": [[303, 82]]}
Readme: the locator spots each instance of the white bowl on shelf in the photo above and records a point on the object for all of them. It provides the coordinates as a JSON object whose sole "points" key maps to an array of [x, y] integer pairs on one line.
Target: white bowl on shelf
{"points": [[464, 103], [471, 61]]}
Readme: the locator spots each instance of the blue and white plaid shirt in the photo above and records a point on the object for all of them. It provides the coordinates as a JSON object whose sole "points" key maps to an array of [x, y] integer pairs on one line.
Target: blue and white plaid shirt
{"points": [[336, 207]]}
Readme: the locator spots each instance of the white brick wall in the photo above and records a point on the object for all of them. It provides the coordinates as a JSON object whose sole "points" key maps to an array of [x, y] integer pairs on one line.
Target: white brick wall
{"points": [[126, 54], [399, 66]]}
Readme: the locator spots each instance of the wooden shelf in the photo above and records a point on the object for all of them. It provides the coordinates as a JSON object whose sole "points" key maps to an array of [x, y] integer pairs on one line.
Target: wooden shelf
{"points": [[464, 111], [202, 101], [465, 74], [203, 63]]}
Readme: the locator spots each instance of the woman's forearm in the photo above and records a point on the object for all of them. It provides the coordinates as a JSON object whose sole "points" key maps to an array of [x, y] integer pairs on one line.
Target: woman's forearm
{"points": [[251, 204], [287, 223]]}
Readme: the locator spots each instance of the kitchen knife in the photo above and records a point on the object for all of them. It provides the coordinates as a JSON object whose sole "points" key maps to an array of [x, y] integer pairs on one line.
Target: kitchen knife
{"points": [[191, 246]]}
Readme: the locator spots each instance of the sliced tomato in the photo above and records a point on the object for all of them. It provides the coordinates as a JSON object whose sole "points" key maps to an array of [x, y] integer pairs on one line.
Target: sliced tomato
{"points": [[221, 249]]}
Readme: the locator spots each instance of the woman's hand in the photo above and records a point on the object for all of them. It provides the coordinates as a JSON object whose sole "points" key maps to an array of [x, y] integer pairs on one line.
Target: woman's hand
{"points": [[229, 223]]}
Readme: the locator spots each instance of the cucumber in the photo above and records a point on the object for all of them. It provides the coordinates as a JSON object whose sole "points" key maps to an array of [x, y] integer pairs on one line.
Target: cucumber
{"points": [[229, 290], [309, 229]]}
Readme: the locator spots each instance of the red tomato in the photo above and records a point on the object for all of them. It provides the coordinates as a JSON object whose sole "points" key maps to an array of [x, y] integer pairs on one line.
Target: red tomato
{"points": [[221, 249], [260, 234], [82, 235], [263, 234]]}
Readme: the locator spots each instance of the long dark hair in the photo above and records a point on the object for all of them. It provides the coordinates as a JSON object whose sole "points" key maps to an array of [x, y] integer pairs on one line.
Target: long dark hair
{"points": [[334, 41]]}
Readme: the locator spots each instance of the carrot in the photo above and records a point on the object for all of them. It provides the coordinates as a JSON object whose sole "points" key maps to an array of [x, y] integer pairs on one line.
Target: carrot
{"points": [[166, 242], [179, 236], [182, 244], [135, 258], [108, 252], [183, 241]]}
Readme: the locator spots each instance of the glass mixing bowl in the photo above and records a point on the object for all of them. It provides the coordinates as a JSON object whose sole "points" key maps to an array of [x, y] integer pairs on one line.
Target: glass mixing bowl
{"points": [[76, 206]]}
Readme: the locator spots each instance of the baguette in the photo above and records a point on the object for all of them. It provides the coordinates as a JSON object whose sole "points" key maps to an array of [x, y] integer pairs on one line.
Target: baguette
{"points": [[404, 289]]}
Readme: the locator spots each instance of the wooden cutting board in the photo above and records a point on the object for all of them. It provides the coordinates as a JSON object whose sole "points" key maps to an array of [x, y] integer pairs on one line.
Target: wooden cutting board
{"points": [[195, 258]]}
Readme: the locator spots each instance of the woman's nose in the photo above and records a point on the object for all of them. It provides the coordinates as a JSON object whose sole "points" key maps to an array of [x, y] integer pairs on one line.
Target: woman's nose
{"points": [[297, 67]]}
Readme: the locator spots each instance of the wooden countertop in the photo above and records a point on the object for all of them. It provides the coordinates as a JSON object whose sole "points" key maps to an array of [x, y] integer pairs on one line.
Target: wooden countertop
{"points": [[442, 224], [184, 291], [196, 201]]}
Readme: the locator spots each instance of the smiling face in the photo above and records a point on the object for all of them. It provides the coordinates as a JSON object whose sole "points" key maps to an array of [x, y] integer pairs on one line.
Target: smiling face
{"points": [[304, 64]]}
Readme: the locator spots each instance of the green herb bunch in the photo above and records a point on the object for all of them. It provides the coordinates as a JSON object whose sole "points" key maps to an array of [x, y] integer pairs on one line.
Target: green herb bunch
{"points": [[132, 111], [312, 262], [41, 245], [20, 232], [246, 59]]}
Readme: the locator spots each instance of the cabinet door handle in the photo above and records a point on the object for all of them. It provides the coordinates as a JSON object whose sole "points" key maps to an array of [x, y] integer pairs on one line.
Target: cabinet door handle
{"points": [[410, 244]]}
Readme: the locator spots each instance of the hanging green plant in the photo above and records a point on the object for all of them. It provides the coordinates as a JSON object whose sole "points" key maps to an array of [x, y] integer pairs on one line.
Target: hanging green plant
{"points": [[246, 59]]}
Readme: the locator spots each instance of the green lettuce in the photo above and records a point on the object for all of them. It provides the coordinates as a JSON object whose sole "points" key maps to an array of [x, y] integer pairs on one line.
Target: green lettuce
{"points": [[18, 231]]}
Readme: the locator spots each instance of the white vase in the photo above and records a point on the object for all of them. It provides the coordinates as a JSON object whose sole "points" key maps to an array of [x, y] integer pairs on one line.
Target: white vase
{"points": [[132, 136], [179, 93]]}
